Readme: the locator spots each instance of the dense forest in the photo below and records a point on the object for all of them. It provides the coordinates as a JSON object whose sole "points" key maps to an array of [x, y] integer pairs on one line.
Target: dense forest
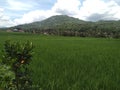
{"points": [[68, 26]]}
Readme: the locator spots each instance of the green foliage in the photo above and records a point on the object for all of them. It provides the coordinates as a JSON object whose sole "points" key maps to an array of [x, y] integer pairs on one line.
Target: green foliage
{"points": [[17, 53], [18, 57], [6, 77], [72, 63]]}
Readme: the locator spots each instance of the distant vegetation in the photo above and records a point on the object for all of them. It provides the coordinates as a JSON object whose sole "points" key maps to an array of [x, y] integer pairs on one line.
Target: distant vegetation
{"points": [[68, 26]]}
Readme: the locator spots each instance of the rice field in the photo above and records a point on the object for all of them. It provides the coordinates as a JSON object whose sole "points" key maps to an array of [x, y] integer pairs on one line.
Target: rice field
{"points": [[72, 63]]}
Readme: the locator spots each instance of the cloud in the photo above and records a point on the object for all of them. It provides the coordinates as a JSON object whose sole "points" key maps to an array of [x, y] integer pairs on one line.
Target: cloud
{"points": [[37, 15], [117, 1], [97, 17], [1, 9], [18, 5], [28, 5], [89, 10], [6, 23], [67, 7], [99, 10], [4, 19], [85, 10], [1, 12]]}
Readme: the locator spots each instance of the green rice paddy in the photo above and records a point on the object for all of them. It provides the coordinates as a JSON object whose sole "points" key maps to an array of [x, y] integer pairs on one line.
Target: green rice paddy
{"points": [[72, 63]]}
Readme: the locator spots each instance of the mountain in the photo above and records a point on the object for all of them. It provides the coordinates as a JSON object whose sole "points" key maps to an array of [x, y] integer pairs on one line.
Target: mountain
{"points": [[52, 22], [60, 19], [69, 26]]}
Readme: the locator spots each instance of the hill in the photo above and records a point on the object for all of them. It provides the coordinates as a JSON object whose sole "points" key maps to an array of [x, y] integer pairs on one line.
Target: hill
{"points": [[69, 26], [52, 23], [60, 19]]}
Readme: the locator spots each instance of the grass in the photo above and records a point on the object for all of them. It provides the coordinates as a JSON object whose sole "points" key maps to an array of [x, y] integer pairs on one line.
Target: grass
{"points": [[72, 63]]}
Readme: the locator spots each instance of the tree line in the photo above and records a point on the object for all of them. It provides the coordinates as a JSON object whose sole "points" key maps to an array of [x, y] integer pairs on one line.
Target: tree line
{"points": [[100, 29]]}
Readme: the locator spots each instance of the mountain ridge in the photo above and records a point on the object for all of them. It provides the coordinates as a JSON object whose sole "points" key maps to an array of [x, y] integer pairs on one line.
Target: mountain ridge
{"points": [[53, 21], [70, 26]]}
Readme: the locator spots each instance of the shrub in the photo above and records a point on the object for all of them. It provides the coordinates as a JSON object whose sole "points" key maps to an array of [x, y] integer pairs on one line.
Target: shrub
{"points": [[17, 57]]}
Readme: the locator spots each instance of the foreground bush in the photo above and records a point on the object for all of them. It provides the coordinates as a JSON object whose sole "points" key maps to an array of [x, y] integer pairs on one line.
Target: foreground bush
{"points": [[16, 58], [6, 77]]}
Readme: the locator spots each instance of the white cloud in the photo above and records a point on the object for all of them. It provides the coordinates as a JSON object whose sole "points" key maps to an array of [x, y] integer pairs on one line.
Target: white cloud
{"points": [[99, 7], [32, 16], [1, 12], [117, 1], [68, 7], [87, 10], [6, 23], [1, 9], [18, 5], [4, 19]]}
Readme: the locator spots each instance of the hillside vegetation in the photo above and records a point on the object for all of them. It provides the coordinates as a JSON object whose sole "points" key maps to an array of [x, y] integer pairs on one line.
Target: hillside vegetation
{"points": [[69, 26]]}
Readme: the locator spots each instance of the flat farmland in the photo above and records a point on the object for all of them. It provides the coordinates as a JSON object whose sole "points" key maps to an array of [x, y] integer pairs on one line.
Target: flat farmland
{"points": [[71, 63]]}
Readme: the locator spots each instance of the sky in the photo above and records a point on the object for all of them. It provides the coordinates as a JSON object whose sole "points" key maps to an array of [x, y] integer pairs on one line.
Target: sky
{"points": [[15, 12]]}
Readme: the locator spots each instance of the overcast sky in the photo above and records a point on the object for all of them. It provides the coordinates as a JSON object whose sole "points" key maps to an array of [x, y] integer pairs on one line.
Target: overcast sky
{"points": [[15, 12]]}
